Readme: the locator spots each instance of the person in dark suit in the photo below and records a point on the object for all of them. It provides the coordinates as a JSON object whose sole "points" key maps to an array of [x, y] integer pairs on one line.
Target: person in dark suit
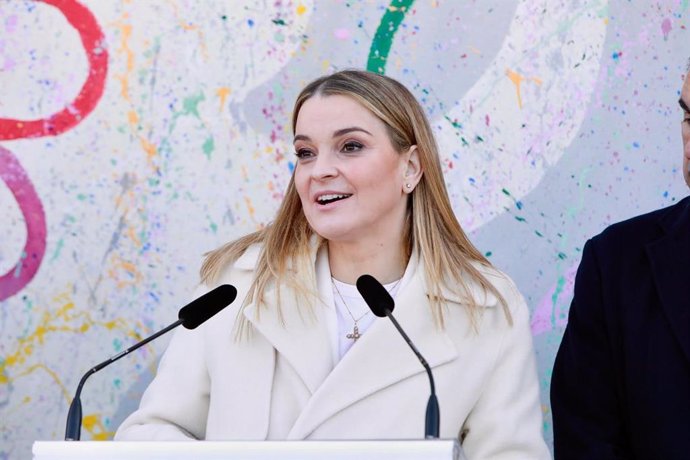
{"points": [[621, 381]]}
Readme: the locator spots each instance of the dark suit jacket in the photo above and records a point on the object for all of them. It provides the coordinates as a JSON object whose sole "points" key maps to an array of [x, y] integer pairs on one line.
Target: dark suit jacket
{"points": [[621, 381]]}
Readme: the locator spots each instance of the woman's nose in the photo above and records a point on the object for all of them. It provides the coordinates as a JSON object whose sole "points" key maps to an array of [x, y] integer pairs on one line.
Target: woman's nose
{"points": [[324, 166]]}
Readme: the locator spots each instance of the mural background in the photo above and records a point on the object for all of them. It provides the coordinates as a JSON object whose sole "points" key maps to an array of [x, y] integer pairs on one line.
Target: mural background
{"points": [[137, 135]]}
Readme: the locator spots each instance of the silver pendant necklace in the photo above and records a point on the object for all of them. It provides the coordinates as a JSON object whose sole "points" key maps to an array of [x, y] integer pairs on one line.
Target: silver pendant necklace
{"points": [[355, 334]]}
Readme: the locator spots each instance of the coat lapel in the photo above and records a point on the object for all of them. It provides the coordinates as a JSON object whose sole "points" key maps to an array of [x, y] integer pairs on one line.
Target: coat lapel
{"points": [[300, 337], [670, 259], [380, 359]]}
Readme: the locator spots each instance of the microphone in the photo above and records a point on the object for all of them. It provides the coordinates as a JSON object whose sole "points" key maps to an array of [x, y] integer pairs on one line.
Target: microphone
{"points": [[381, 304], [190, 316]]}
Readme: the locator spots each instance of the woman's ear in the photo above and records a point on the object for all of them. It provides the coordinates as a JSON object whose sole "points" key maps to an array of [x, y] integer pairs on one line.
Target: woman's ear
{"points": [[413, 169]]}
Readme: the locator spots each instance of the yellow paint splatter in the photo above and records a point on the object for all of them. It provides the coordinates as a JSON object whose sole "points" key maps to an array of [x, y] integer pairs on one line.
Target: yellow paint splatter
{"points": [[123, 86], [125, 35], [131, 233], [65, 319], [250, 207], [47, 370], [517, 80], [133, 118], [149, 148], [188, 26], [475, 50], [120, 265], [94, 426], [301, 9], [223, 93]]}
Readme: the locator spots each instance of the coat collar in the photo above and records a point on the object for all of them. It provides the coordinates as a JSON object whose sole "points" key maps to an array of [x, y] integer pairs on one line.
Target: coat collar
{"points": [[670, 260], [249, 259]]}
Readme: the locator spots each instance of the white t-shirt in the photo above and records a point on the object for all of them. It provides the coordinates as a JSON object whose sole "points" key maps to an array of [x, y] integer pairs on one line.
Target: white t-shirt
{"points": [[346, 296], [340, 323]]}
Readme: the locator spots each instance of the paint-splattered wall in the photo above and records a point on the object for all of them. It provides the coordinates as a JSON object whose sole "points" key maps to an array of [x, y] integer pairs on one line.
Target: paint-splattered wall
{"points": [[136, 135]]}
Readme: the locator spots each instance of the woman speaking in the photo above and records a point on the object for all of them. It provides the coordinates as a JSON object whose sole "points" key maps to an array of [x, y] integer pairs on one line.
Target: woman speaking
{"points": [[300, 355]]}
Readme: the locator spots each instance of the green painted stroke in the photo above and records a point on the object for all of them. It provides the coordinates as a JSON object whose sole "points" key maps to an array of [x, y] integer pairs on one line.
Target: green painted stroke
{"points": [[381, 46]]}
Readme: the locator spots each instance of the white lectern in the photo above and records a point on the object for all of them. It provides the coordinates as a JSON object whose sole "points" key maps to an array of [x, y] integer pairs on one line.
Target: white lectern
{"points": [[249, 450]]}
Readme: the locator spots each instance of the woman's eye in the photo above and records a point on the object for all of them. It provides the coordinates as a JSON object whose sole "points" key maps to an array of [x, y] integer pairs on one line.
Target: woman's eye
{"points": [[303, 154], [352, 146]]}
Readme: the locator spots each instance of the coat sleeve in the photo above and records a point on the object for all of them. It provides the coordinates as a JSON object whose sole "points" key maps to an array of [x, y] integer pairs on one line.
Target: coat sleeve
{"points": [[506, 422], [584, 403], [176, 403]]}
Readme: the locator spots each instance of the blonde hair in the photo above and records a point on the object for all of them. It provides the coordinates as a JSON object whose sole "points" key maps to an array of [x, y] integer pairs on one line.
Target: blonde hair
{"points": [[431, 228]]}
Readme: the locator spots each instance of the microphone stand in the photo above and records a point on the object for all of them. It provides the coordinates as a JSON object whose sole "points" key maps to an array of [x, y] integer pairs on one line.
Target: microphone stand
{"points": [[74, 416], [432, 422]]}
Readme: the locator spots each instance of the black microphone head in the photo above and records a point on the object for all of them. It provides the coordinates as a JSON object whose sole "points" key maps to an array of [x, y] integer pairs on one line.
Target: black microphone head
{"points": [[375, 295], [203, 308]]}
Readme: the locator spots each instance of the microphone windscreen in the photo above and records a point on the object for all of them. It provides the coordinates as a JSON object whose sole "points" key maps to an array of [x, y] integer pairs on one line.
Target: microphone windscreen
{"points": [[203, 308], [375, 295]]}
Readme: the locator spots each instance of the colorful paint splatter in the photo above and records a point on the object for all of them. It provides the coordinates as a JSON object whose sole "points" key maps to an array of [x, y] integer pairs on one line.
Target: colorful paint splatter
{"points": [[135, 136]]}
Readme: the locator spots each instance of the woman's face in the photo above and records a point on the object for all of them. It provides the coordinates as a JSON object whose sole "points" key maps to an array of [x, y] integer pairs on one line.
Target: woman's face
{"points": [[350, 179]]}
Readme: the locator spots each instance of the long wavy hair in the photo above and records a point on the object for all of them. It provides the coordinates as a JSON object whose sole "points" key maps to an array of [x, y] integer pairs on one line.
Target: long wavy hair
{"points": [[431, 229]]}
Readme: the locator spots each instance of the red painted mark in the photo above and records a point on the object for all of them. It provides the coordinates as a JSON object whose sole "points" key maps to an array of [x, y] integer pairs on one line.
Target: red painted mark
{"points": [[12, 172], [92, 39]]}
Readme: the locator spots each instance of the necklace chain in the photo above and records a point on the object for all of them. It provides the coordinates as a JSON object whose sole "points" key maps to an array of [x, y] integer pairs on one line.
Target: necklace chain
{"points": [[355, 334]]}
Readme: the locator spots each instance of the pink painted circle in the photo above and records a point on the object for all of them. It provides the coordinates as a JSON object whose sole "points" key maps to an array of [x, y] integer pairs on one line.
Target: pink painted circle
{"points": [[12, 172]]}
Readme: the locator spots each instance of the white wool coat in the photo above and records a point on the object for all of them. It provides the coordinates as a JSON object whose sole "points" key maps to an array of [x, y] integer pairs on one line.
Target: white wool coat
{"points": [[282, 382]]}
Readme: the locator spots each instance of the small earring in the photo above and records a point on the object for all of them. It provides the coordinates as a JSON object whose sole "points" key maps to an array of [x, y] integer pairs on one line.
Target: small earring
{"points": [[408, 186]]}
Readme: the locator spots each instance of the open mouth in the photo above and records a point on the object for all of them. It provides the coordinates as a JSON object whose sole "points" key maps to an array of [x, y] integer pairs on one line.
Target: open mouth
{"points": [[331, 198]]}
